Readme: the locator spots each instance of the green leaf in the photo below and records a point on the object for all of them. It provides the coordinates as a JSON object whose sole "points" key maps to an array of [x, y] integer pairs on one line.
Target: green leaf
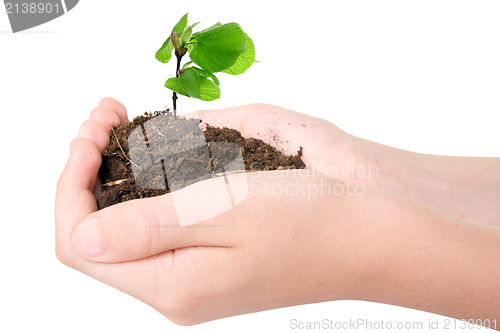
{"points": [[244, 61], [205, 73], [186, 65], [186, 35], [181, 25], [176, 85], [194, 82], [218, 24], [218, 48], [209, 91], [164, 54]]}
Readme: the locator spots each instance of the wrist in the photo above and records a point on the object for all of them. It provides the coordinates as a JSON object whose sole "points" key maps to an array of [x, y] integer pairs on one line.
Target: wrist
{"points": [[462, 186], [435, 262], [419, 177]]}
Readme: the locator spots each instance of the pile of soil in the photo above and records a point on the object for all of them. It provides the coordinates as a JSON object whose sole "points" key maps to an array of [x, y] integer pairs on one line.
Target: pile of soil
{"points": [[155, 154]]}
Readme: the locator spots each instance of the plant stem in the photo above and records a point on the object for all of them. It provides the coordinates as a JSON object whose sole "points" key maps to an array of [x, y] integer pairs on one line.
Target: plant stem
{"points": [[174, 99], [174, 95]]}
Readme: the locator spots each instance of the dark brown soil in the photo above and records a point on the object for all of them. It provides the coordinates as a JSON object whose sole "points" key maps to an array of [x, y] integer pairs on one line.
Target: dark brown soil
{"points": [[157, 154]]}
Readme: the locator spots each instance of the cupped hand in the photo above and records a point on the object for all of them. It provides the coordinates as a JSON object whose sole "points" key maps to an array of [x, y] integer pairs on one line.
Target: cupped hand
{"points": [[287, 242], [326, 148]]}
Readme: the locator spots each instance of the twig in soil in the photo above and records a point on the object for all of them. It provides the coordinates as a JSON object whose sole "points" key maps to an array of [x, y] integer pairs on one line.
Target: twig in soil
{"points": [[119, 145], [116, 182]]}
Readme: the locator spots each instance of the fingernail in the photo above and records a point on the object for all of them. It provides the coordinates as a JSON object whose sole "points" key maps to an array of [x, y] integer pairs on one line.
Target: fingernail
{"points": [[82, 129], [86, 238], [72, 144]]}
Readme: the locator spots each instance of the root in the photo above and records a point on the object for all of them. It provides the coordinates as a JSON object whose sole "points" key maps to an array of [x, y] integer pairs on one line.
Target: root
{"points": [[119, 145], [116, 182]]}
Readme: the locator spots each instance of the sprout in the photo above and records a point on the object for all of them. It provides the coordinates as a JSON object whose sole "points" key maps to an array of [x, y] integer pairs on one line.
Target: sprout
{"points": [[219, 48]]}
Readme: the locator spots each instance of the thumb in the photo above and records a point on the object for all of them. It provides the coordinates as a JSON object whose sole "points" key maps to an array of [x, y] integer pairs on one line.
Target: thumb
{"points": [[141, 228]]}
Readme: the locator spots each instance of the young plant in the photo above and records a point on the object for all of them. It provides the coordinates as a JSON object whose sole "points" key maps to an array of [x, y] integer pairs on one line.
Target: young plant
{"points": [[219, 48]]}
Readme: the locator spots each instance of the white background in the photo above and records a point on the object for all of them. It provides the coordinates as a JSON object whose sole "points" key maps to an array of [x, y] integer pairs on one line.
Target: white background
{"points": [[419, 75]]}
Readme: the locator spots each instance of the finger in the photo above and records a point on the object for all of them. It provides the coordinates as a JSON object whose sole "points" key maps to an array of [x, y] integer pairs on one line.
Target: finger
{"points": [[74, 195], [160, 280], [106, 117], [95, 131], [115, 106], [232, 117], [138, 229]]}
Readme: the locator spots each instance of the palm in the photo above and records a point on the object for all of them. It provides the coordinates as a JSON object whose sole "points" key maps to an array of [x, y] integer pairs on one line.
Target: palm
{"points": [[326, 148]]}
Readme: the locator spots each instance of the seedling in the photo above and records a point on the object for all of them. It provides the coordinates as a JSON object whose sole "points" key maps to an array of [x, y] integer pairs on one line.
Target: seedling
{"points": [[220, 48]]}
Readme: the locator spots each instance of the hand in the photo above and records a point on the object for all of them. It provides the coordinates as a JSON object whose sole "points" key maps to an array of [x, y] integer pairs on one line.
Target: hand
{"points": [[229, 264], [297, 237], [326, 148], [462, 186]]}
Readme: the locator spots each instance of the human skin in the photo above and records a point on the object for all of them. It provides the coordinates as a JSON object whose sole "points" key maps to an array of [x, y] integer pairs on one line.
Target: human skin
{"points": [[275, 250], [468, 187]]}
